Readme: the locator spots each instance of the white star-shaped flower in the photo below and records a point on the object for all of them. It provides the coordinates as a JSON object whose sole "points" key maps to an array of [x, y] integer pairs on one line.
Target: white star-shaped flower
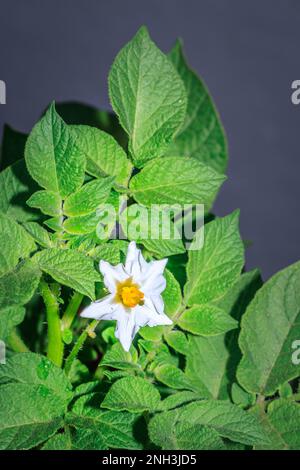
{"points": [[135, 295]]}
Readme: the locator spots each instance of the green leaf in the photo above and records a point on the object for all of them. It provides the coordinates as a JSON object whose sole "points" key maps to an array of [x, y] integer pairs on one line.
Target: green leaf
{"points": [[173, 377], [238, 297], [47, 202], [172, 294], [176, 180], [214, 268], [282, 424], [38, 233], [117, 200], [220, 354], [98, 224], [118, 358], [17, 242], [35, 369], [113, 375], [54, 223], [132, 394], [178, 341], [83, 243], [52, 156], [206, 320], [121, 245], [285, 390], [67, 336], [191, 437], [177, 399], [95, 429], [148, 95], [59, 442], [88, 198], [34, 395], [70, 268], [108, 334], [107, 251], [152, 228], [227, 420], [235, 302], [269, 328], [78, 113], [79, 376], [90, 225], [152, 333], [201, 136], [167, 431], [9, 318], [28, 415], [18, 286], [162, 430], [82, 224], [15, 187], [241, 397], [159, 354], [206, 365], [104, 156]]}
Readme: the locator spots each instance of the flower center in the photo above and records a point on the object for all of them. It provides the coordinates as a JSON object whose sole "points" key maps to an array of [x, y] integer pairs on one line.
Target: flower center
{"points": [[129, 294]]}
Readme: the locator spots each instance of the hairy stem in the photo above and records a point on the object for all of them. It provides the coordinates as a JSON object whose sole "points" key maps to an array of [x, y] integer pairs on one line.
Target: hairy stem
{"points": [[71, 310], [55, 344], [89, 331], [16, 343]]}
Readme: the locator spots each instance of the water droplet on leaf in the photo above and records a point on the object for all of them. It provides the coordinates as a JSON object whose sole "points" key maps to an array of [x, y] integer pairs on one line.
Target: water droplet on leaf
{"points": [[43, 391]]}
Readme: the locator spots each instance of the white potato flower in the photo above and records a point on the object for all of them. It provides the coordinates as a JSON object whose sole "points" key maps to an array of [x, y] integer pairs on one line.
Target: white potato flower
{"points": [[135, 295]]}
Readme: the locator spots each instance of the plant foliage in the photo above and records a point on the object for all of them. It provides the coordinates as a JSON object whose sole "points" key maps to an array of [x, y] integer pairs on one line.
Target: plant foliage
{"points": [[222, 376]]}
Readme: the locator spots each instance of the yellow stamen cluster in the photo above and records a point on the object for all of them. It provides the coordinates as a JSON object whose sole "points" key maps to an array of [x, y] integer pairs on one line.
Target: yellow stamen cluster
{"points": [[129, 294]]}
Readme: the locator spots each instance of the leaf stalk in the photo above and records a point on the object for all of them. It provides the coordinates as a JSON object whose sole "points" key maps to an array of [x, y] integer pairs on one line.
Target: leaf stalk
{"points": [[89, 331], [71, 311], [55, 343], [16, 343]]}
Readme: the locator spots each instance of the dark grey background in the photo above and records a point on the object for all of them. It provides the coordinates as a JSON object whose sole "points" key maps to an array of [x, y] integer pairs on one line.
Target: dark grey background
{"points": [[246, 51]]}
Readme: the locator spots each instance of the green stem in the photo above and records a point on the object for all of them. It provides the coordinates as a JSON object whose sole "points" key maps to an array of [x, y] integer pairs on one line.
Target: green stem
{"points": [[178, 314], [55, 343], [16, 343], [71, 310], [261, 403], [89, 331]]}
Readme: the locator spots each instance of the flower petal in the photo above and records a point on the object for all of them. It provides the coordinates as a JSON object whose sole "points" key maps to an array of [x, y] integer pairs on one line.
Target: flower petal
{"points": [[112, 275], [103, 309], [158, 303], [153, 281], [126, 328], [132, 256], [136, 266], [148, 315]]}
